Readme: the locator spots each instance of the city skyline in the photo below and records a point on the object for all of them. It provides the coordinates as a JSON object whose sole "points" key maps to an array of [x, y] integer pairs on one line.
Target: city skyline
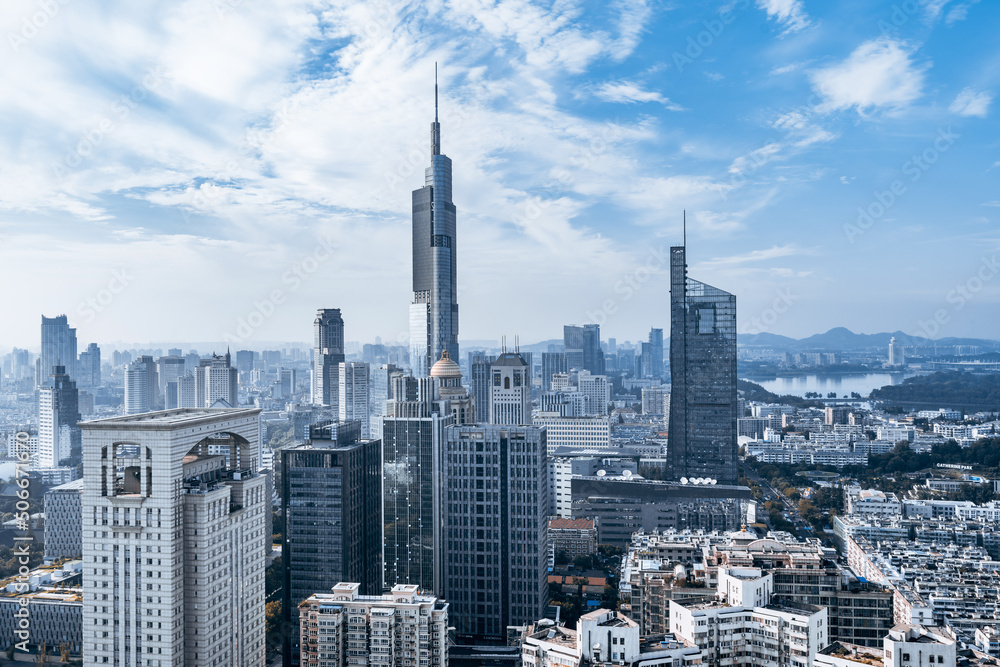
{"points": [[579, 146]]}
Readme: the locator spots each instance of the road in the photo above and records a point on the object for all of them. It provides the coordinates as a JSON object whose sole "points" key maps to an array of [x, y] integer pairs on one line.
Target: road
{"points": [[791, 509]]}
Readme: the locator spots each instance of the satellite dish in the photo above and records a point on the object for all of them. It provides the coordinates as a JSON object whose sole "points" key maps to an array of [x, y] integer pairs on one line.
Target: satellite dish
{"points": [[602, 473], [627, 474], [684, 480], [714, 481]]}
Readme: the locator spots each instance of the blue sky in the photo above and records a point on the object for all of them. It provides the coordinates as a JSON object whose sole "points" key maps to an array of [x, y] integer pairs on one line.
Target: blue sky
{"points": [[218, 170]]}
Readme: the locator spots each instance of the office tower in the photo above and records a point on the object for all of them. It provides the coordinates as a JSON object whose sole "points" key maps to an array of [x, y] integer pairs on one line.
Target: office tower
{"points": [[64, 521], [173, 540], [244, 361], [331, 491], [582, 346], [328, 353], [652, 355], [58, 349], [510, 390], [896, 354], [21, 366], [413, 452], [434, 311], [613, 347], [168, 369], [479, 382], [400, 629], [702, 441], [597, 390], [217, 380], [413, 459], [136, 388], [496, 511], [380, 391], [191, 362], [152, 381], [187, 392], [552, 363], [88, 367], [353, 394], [58, 418]]}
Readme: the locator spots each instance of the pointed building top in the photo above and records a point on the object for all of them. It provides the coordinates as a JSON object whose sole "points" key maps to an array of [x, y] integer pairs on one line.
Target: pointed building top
{"points": [[435, 92]]}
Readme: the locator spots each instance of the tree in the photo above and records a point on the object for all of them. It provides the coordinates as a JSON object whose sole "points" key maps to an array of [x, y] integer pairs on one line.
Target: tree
{"points": [[273, 622]]}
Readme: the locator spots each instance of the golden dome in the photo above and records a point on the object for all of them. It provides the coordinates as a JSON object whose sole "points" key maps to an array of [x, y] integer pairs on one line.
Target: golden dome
{"points": [[445, 367]]}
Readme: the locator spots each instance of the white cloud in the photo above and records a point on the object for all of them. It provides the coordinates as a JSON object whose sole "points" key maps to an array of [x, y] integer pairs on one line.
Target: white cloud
{"points": [[879, 73], [959, 12], [971, 103], [789, 13], [628, 92]]}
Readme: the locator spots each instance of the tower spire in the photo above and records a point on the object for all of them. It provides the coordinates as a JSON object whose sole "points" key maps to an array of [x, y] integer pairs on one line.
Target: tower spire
{"points": [[435, 126], [685, 220]]}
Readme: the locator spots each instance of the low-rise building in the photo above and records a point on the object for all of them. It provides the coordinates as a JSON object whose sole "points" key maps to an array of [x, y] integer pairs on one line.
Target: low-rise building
{"points": [[54, 610], [573, 537], [399, 629], [728, 636], [63, 521]]}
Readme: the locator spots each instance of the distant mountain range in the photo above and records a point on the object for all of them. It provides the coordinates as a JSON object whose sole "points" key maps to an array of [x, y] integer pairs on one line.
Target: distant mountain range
{"points": [[840, 339]]}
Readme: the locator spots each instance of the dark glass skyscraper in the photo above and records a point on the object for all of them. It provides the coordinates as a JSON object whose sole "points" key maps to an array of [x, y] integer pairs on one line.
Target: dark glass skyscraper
{"points": [[331, 492], [582, 347], [702, 440], [58, 349], [328, 353], [434, 312]]}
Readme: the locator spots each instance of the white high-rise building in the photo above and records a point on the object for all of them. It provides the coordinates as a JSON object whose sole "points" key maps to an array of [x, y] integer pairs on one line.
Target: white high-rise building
{"points": [[597, 389], [399, 629], [896, 355], [353, 394], [187, 392], [136, 389], [576, 432], [510, 390], [174, 541]]}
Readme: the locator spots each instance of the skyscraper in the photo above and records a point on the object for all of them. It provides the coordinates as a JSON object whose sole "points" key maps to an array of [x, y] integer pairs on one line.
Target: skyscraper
{"points": [[328, 353], [702, 438], [136, 388], [58, 419], [353, 394], [652, 355], [582, 346], [58, 349], [413, 455], [88, 367], [496, 510], [479, 383], [434, 311], [552, 363], [174, 539], [510, 390], [332, 500]]}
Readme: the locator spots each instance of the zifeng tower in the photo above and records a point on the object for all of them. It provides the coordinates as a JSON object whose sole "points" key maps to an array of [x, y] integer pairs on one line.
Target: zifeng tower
{"points": [[434, 311]]}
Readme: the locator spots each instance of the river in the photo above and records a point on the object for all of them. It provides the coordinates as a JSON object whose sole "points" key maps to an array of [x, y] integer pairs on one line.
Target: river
{"points": [[822, 384]]}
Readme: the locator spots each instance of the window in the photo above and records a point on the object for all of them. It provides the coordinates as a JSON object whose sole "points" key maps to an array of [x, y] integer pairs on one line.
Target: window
{"points": [[705, 319]]}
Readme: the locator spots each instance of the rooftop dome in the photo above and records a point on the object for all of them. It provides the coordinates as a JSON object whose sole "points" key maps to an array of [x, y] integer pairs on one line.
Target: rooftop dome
{"points": [[445, 367]]}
